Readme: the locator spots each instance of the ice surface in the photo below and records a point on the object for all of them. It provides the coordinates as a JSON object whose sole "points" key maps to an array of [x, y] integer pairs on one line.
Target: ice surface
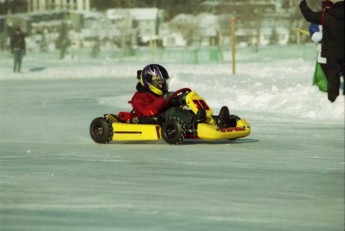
{"points": [[287, 175]]}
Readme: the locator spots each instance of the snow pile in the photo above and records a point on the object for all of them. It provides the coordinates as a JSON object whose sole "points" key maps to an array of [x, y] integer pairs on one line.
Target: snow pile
{"points": [[264, 88], [270, 85]]}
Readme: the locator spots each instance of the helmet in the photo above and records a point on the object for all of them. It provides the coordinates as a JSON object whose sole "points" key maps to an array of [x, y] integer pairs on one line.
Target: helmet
{"points": [[313, 28], [153, 77]]}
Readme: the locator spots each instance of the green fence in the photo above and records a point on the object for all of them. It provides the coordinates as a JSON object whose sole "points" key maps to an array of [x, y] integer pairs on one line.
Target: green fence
{"points": [[176, 55], [165, 56]]}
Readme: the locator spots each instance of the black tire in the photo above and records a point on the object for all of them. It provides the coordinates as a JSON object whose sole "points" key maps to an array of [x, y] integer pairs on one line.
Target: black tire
{"points": [[101, 130], [173, 131]]}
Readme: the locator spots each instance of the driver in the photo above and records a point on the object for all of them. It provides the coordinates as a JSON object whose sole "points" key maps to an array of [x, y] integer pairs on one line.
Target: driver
{"points": [[150, 99], [149, 102]]}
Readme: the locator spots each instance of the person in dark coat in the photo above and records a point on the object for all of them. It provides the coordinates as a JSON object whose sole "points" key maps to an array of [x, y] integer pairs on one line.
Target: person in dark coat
{"points": [[332, 20], [18, 49]]}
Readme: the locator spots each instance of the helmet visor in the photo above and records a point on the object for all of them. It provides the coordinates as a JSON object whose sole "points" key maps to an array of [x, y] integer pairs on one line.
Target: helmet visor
{"points": [[158, 81]]}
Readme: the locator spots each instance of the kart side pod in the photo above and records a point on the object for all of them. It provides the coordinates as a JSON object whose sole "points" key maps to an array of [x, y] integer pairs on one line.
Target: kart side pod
{"points": [[125, 131]]}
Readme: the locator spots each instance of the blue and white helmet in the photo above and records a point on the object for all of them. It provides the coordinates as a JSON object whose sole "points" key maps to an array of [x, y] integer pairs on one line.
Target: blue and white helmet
{"points": [[153, 77], [313, 28], [315, 32]]}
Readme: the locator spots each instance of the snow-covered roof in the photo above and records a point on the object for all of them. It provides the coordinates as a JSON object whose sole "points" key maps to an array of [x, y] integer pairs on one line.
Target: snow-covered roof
{"points": [[47, 23], [115, 14], [184, 19], [144, 13], [203, 20], [101, 33], [135, 13], [91, 15], [147, 38], [207, 19]]}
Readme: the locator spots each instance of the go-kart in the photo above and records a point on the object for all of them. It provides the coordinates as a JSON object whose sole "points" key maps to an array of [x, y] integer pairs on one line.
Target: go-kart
{"points": [[128, 126]]}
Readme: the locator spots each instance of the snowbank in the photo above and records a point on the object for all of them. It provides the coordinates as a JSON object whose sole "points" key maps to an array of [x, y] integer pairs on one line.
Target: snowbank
{"points": [[270, 85]]}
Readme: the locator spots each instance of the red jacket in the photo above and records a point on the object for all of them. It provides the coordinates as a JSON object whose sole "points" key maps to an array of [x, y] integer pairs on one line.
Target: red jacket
{"points": [[147, 104]]}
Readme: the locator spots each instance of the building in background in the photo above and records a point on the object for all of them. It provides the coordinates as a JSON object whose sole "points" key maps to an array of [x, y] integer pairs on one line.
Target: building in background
{"points": [[118, 25], [44, 5]]}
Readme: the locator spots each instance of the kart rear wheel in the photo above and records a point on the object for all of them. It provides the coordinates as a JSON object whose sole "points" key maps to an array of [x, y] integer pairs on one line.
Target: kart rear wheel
{"points": [[173, 131], [101, 130]]}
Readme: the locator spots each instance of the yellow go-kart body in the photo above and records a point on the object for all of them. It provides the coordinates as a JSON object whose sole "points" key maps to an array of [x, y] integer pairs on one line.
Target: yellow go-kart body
{"points": [[124, 131], [209, 130]]}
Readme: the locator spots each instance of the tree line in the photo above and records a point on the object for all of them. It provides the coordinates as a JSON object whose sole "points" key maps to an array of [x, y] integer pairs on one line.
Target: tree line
{"points": [[171, 7]]}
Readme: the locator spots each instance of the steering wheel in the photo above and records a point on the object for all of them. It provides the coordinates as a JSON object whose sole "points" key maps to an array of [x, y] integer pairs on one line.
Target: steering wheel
{"points": [[177, 93]]}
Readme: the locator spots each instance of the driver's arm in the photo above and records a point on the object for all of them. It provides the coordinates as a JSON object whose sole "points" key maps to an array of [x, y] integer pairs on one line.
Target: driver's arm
{"points": [[176, 100], [166, 95]]}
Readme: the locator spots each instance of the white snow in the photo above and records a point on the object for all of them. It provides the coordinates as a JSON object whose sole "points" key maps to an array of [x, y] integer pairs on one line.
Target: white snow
{"points": [[282, 86], [288, 174]]}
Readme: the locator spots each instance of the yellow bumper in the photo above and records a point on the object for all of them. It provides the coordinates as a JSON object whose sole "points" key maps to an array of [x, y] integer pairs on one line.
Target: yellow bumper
{"points": [[210, 132]]}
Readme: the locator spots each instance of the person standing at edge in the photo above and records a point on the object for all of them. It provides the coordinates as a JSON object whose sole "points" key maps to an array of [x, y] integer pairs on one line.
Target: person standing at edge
{"points": [[18, 49], [332, 21]]}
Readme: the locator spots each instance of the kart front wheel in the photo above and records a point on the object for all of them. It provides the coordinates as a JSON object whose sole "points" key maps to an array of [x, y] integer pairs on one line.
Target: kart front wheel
{"points": [[101, 130], [173, 131]]}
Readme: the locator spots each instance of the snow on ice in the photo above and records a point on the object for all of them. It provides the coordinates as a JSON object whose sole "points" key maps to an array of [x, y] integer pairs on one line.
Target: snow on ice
{"points": [[288, 174]]}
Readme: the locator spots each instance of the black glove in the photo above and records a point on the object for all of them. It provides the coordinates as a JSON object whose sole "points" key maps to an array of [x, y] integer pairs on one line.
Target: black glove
{"points": [[166, 95], [303, 3], [178, 100]]}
